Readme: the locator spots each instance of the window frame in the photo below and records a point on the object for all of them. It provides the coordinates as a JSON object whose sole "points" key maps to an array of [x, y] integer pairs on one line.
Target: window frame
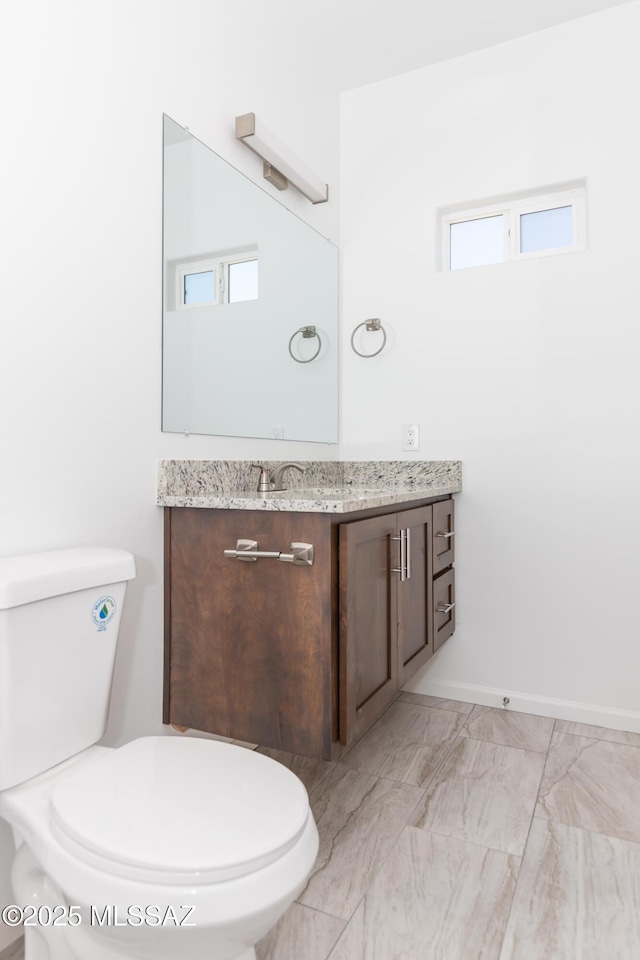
{"points": [[219, 266], [512, 209], [197, 266]]}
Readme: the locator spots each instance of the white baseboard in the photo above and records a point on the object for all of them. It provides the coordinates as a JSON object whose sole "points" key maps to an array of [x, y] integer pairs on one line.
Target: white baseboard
{"points": [[528, 703]]}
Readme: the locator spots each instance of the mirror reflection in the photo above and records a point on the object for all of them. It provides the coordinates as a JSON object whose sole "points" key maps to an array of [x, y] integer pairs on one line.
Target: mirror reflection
{"points": [[250, 306]]}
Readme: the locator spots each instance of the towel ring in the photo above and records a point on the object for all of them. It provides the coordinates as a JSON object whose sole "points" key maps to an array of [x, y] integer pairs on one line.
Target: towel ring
{"points": [[307, 334], [373, 324]]}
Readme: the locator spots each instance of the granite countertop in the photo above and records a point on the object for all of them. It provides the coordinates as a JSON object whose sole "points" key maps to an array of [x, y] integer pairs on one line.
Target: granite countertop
{"points": [[325, 487]]}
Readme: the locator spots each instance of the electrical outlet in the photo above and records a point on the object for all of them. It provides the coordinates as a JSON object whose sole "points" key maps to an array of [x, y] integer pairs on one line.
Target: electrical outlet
{"points": [[277, 433], [410, 436]]}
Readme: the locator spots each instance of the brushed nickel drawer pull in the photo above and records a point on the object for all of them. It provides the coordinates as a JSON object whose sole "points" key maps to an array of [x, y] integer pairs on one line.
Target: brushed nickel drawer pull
{"points": [[445, 536], [301, 553], [405, 560], [445, 607]]}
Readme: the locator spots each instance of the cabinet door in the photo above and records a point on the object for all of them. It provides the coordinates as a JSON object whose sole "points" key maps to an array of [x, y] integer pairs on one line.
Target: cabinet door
{"points": [[368, 678], [443, 536], [415, 623], [444, 603], [250, 641]]}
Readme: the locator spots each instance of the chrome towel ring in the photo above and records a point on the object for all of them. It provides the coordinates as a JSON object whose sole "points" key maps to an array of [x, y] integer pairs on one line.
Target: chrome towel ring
{"points": [[307, 334], [373, 324]]}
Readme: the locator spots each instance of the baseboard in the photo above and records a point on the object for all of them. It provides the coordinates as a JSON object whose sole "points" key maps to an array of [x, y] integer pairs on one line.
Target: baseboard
{"points": [[528, 703]]}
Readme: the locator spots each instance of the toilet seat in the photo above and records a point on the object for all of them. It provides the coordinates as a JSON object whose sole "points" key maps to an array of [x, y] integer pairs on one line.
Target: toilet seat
{"points": [[179, 811]]}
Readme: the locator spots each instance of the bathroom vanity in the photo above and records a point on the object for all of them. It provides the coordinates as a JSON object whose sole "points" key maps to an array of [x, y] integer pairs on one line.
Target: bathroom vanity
{"points": [[298, 655]]}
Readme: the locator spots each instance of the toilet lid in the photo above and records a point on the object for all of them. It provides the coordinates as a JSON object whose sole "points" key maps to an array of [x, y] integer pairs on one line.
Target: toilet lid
{"points": [[180, 810]]}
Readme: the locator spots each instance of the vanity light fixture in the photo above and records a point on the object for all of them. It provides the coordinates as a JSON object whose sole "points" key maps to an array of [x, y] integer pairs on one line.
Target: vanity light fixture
{"points": [[281, 167]]}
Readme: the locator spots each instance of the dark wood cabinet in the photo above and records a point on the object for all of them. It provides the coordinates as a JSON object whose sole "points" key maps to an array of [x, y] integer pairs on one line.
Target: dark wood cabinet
{"points": [[368, 664], [300, 658], [248, 654], [385, 604]]}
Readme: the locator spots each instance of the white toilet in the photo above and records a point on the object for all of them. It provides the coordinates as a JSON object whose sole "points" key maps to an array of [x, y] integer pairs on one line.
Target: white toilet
{"points": [[167, 847]]}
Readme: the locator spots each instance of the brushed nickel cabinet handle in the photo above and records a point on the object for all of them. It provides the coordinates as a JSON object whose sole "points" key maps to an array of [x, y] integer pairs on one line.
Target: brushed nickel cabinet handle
{"points": [[445, 607], [445, 536], [301, 553], [403, 569]]}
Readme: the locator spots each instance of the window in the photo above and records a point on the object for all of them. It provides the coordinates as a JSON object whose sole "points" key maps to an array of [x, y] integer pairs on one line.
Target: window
{"points": [[198, 288], [225, 279], [516, 228], [242, 280]]}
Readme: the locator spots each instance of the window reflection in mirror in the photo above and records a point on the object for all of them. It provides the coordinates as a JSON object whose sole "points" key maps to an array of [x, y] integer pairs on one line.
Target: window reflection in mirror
{"points": [[242, 274]]}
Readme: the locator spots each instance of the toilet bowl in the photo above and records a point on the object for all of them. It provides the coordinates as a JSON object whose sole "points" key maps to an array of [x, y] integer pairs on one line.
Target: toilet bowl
{"points": [[167, 847]]}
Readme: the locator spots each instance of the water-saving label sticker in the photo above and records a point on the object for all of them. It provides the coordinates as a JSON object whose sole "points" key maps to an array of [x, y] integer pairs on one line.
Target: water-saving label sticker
{"points": [[104, 610]]}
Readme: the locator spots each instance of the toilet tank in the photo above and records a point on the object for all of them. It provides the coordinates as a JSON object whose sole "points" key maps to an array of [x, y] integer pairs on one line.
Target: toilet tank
{"points": [[59, 620]]}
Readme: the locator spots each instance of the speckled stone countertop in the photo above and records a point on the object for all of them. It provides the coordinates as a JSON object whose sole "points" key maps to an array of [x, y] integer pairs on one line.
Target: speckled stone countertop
{"points": [[325, 487]]}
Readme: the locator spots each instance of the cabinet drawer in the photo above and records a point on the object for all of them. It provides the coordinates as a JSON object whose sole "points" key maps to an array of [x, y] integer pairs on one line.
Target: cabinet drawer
{"points": [[444, 608], [443, 536]]}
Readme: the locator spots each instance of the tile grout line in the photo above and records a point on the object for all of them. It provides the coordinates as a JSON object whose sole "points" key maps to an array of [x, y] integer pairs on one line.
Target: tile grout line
{"points": [[322, 913], [438, 765], [546, 754], [511, 746], [458, 737], [526, 843], [374, 877], [405, 824], [573, 826]]}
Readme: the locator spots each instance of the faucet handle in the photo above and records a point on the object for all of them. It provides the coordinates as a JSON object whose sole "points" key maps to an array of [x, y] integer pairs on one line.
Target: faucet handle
{"points": [[265, 484]]}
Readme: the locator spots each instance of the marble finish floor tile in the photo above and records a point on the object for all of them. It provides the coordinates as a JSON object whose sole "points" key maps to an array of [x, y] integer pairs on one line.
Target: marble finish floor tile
{"points": [[578, 898], [301, 933], [423, 700], [407, 743], [310, 771], [14, 951], [509, 728], [593, 784], [435, 898], [598, 733], [359, 819], [484, 793]]}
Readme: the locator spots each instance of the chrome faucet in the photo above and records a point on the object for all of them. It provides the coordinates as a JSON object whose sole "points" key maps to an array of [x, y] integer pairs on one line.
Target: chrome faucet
{"points": [[269, 482]]}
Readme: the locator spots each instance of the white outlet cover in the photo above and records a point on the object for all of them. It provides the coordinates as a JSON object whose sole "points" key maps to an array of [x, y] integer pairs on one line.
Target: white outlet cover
{"points": [[411, 436]]}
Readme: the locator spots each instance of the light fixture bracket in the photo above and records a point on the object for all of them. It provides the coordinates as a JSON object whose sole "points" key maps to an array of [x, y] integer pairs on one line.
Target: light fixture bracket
{"points": [[274, 176]]}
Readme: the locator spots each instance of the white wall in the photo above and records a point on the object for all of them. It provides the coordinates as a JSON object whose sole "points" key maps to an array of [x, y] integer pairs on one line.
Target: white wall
{"points": [[526, 371], [85, 86]]}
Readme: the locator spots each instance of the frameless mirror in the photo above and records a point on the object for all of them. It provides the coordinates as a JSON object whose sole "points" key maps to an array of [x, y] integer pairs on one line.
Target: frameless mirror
{"points": [[250, 306]]}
